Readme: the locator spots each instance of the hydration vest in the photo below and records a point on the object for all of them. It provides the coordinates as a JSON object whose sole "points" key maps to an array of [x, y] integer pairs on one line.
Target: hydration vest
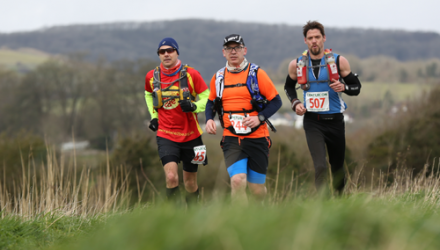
{"points": [[159, 94], [321, 82], [258, 101], [303, 66]]}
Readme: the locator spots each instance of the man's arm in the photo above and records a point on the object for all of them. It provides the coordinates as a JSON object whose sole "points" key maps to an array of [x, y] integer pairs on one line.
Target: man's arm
{"points": [[149, 96], [352, 83], [201, 89], [210, 127], [149, 101], [201, 103], [292, 70], [267, 89], [272, 107], [289, 88]]}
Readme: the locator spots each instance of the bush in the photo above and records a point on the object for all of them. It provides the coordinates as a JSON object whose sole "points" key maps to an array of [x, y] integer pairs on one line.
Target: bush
{"points": [[18, 151], [130, 151], [413, 141], [138, 155]]}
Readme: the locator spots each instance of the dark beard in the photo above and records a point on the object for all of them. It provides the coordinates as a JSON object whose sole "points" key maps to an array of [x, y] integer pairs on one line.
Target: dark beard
{"points": [[317, 53]]}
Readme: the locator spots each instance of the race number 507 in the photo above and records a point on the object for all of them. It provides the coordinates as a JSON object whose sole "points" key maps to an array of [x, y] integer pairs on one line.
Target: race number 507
{"points": [[316, 102]]}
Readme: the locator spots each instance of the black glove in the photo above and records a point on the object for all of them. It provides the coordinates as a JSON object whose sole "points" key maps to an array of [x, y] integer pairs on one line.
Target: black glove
{"points": [[154, 124], [187, 106]]}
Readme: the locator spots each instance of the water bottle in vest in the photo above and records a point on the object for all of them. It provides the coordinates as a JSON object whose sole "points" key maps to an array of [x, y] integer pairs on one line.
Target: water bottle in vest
{"points": [[184, 94], [331, 67], [301, 71], [157, 98]]}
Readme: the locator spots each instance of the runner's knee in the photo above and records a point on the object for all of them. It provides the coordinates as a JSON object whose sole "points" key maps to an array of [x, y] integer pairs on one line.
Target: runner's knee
{"points": [[190, 183], [172, 178], [238, 181], [258, 189]]}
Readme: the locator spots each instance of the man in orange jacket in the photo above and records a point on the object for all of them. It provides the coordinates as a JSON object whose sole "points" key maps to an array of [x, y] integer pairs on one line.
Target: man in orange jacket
{"points": [[246, 139]]}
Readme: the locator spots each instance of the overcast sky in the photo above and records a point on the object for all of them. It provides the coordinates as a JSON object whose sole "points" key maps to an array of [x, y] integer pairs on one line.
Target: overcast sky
{"points": [[420, 15]]}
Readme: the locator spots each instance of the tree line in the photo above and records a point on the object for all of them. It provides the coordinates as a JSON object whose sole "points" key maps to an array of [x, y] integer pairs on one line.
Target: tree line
{"points": [[60, 97], [200, 41]]}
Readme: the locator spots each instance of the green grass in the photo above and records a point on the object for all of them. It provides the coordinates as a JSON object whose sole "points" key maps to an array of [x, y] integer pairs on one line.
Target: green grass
{"points": [[27, 57], [42, 231], [357, 222]]}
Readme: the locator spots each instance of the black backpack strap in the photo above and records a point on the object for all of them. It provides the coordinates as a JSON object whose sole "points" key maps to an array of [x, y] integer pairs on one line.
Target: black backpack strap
{"points": [[156, 78], [236, 85], [183, 84]]}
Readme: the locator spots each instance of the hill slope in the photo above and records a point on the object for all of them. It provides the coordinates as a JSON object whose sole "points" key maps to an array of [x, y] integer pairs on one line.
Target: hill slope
{"points": [[21, 59], [200, 41]]}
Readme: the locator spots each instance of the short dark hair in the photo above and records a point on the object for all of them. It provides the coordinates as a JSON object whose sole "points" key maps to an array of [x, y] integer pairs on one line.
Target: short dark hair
{"points": [[310, 25]]}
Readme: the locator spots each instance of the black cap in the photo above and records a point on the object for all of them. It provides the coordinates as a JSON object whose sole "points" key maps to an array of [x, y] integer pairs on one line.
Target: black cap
{"points": [[233, 38]]}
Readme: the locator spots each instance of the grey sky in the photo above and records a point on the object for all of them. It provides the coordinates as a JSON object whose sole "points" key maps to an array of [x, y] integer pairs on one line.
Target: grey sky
{"points": [[421, 15]]}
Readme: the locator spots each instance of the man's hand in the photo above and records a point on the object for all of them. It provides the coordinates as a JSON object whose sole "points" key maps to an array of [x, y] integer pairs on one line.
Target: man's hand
{"points": [[300, 109], [210, 127], [187, 106], [251, 121], [337, 86], [154, 124]]}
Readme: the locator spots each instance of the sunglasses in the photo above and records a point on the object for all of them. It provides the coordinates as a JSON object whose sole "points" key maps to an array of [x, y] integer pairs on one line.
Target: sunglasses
{"points": [[162, 51]]}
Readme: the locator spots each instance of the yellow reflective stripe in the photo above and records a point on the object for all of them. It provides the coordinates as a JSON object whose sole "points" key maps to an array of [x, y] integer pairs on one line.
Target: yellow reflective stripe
{"points": [[151, 82], [190, 80], [198, 126]]}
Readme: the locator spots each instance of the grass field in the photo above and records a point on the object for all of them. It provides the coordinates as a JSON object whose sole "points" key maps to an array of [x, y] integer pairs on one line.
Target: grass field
{"points": [[359, 221], [28, 58], [44, 230], [381, 214]]}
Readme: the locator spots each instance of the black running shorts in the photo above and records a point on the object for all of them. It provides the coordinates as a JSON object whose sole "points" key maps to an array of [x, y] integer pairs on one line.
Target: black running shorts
{"points": [[255, 149], [170, 151]]}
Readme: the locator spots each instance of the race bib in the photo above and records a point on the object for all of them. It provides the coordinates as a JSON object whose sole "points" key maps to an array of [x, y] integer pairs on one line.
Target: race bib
{"points": [[317, 101], [200, 155], [237, 123]]}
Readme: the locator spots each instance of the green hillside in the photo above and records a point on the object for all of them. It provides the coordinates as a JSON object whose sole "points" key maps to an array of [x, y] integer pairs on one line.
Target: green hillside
{"points": [[200, 41], [23, 58]]}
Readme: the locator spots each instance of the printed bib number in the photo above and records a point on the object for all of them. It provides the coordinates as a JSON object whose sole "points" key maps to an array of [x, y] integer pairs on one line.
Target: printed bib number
{"points": [[317, 101], [237, 123], [200, 155]]}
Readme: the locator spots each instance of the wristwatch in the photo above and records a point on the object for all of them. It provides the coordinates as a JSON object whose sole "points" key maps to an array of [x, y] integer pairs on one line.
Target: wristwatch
{"points": [[261, 118]]}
